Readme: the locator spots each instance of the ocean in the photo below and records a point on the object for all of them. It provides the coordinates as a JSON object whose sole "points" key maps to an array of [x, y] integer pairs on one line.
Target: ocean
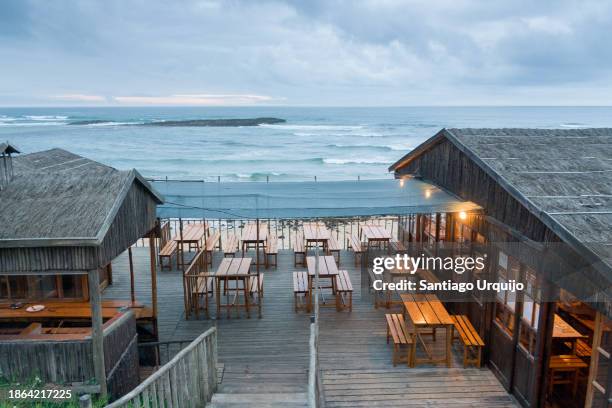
{"points": [[326, 143]]}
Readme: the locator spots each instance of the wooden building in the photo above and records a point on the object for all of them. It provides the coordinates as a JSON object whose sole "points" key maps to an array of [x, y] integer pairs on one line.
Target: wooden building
{"points": [[63, 219], [547, 222]]}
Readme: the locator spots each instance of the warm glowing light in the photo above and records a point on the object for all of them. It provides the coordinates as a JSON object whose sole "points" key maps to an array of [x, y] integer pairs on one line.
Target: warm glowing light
{"points": [[463, 215], [427, 193], [401, 182]]}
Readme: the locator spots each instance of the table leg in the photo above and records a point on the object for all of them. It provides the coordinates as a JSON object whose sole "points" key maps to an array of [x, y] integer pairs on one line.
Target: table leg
{"points": [[245, 283], [309, 307], [227, 303], [218, 290]]}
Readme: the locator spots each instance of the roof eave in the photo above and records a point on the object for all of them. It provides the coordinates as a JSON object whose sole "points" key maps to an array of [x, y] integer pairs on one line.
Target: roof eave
{"points": [[417, 151], [49, 242]]}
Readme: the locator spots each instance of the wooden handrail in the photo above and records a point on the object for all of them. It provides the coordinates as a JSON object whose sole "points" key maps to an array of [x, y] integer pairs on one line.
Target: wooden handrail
{"points": [[189, 379]]}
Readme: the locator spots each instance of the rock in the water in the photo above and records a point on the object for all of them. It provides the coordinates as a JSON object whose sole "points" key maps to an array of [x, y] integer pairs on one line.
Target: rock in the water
{"points": [[219, 122]]}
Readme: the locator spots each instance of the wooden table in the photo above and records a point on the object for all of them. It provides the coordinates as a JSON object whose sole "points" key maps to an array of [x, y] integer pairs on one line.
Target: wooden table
{"points": [[69, 310], [192, 235], [375, 234], [562, 330], [236, 270], [565, 364], [427, 312], [250, 238], [327, 270], [316, 233]]}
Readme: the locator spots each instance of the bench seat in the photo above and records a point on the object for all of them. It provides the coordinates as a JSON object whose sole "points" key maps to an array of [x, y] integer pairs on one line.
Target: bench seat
{"points": [[355, 244], [299, 250], [344, 291], [256, 284], [271, 251], [472, 343], [397, 246], [333, 246], [397, 330], [166, 253], [230, 247], [300, 290], [212, 242]]}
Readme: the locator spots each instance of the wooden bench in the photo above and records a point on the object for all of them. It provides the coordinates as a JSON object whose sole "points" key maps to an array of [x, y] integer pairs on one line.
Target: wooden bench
{"points": [[299, 250], [271, 251], [583, 350], [212, 242], [333, 246], [397, 330], [231, 246], [472, 343], [256, 285], [166, 253], [344, 291], [300, 290], [397, 246], [355, 244]]}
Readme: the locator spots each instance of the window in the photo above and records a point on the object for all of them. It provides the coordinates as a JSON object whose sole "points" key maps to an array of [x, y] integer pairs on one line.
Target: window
{"points": [[41, 287], [531, 311], [507, 269]]}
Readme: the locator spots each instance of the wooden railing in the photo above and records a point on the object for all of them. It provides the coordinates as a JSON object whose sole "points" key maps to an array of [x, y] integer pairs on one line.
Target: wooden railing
{"points": [[188, 380], [316, 397]]}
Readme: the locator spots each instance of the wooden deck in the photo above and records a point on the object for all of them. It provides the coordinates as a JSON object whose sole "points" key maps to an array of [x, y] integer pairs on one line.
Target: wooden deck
{"points": [[271, 354]]}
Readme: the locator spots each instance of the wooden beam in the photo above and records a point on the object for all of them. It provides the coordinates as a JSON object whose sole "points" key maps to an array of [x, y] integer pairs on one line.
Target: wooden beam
{"points": [[594, 359], [97, 342], [153, 275]]}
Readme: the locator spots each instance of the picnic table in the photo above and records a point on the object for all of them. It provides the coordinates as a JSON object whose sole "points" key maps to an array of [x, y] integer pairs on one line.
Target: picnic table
{"points": [[235, 270], [327, 270], [192, 235], [316, 233], [70, 310], [250, 238], [427, 312], [562, 330]]}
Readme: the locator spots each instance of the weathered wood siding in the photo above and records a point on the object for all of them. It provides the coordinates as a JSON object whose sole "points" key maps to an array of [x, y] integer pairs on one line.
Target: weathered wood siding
{"points": [[66, 362], [134, 219]]}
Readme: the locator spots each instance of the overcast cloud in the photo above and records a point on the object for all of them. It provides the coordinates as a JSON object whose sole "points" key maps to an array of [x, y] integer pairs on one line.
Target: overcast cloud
{"points": [[373, 52]]}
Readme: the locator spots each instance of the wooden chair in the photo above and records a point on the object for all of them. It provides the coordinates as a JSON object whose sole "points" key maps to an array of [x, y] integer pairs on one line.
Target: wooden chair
{"points": [[299, 250], [300, 290], [204, 287], [334, 248], [344, 291], [472, 343], [397, 330], [271, 251], [355, 244], [166, 253], [230, 247], [565, 369]]}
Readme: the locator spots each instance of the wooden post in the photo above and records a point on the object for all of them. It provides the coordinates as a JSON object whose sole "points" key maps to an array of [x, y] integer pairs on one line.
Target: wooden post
{"points": [[96, 329], [594, 359], [257, 246], [132, 295], [153, 278]]}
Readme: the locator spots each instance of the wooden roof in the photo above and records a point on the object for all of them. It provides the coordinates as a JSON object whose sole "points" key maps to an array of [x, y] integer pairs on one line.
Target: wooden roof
{"points": [[563, 176], [58, 198], [6, 147]]}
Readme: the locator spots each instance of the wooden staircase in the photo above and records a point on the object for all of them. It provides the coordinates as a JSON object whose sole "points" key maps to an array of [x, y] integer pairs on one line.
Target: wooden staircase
{"points": [[272, 385]]}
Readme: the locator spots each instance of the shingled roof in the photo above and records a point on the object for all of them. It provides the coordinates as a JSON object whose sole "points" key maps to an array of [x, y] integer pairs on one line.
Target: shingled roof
{"points": [[563, 176], [60, 198]]}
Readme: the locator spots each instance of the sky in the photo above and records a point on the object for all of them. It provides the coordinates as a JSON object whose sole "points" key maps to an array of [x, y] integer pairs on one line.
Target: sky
{"points": [[305, 52]]}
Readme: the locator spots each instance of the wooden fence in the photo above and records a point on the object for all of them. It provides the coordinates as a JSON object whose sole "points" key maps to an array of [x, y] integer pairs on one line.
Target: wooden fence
{"points": [[188, 380]]}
